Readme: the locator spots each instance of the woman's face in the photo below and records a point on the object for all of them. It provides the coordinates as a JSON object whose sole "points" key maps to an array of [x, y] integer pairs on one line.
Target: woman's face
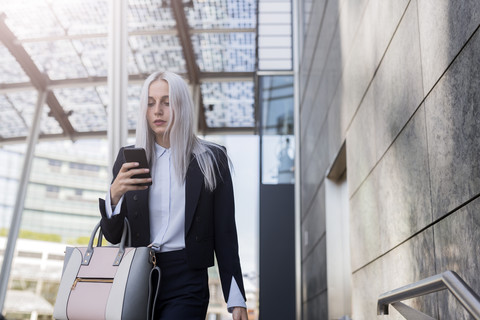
{"points": [[158, 110]]}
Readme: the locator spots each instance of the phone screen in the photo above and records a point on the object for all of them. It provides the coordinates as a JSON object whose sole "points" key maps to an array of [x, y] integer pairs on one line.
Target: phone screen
{"points": [[138, 155]]}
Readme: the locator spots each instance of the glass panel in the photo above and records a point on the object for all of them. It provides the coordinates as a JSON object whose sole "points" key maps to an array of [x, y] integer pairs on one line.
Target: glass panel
{"points": [[158, 52], [149, 14], [277, 132], [31, 19], [225, 51], [10, 70], [228, 104], [16, 114], [275, 35], [58, 59], [132, 62], [88, 111], [24, 105], [12, 122], [81, 16], [93, 54], [207, 14], [133, 104]]}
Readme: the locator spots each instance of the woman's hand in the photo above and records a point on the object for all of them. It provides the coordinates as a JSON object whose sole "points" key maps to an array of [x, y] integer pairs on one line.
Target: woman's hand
{"points": [[124, 182], [239, 313]]}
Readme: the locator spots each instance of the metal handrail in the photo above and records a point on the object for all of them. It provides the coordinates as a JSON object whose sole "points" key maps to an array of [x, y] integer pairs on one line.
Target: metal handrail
{"points": [[447, 280]]}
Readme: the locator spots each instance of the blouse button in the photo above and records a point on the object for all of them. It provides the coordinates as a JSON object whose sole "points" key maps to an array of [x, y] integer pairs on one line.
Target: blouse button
{"points": [[135, 197]]}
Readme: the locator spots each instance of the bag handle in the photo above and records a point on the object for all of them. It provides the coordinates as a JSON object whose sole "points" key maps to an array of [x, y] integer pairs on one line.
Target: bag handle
{"points": [[126, 236]]}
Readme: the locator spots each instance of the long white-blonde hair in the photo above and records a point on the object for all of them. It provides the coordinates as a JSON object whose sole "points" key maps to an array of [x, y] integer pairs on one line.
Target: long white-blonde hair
{"points": [[183, 141]]}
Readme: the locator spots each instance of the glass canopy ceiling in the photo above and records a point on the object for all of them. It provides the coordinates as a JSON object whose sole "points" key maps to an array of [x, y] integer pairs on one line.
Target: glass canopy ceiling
{"points": [[62, 45]]}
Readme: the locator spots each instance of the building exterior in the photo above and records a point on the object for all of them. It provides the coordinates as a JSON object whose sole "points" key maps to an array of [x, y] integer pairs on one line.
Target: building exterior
{"points": [[390, 130], [62, 195]]}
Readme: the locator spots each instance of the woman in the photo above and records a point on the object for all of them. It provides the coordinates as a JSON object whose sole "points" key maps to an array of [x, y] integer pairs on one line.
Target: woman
{"points": [[187, 213]]}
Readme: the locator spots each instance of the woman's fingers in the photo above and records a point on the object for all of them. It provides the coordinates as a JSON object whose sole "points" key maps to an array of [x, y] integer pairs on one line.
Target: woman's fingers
{"points": [[128, 165], [136, 181], [132, 172]]}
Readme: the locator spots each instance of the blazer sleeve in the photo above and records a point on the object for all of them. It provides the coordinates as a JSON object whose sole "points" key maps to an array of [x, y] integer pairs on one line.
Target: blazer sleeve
{"points": [[226, 240], [112, 227]]}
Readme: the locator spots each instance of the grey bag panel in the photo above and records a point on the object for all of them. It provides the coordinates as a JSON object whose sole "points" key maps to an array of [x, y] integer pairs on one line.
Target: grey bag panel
{"points": [[135, 302], [68, 254]]}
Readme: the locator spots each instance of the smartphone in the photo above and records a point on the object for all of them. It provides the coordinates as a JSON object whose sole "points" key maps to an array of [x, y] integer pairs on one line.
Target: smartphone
{"points": [[138, 155]]}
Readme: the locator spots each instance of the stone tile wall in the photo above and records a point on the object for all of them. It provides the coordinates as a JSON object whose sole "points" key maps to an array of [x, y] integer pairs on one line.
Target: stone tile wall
{"points": [[399, 81]]}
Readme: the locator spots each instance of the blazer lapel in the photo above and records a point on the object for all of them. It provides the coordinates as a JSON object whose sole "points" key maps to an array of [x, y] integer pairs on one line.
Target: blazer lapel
{"points": [[193, 187]]}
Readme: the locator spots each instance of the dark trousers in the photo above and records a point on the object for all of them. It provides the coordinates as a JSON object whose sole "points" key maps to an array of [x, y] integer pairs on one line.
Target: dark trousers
{"points": [[183, 291]]}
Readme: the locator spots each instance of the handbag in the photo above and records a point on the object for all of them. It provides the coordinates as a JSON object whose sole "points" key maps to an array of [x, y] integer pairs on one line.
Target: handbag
{"points": [[111, 282]]}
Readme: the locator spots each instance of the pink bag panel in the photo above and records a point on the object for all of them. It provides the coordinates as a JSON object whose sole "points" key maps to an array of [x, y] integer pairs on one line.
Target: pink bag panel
{"points": [[88, 301], [101, 265]]}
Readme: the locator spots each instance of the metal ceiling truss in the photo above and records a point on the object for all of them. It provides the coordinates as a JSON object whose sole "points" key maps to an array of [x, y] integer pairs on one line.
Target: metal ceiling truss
{"points": [[41, 82], [132, 79], [171, 32]]}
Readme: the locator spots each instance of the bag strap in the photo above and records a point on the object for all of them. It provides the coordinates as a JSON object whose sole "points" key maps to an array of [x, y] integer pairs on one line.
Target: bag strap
{"points": [[121, 250], [126, 236], [153, 287]]}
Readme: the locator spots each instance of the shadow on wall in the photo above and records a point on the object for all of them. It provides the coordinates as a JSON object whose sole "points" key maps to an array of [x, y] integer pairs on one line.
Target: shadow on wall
{"points": [[453, 129]]}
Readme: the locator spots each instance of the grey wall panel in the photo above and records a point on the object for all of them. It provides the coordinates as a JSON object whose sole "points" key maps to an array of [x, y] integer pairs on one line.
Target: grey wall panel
{"points": [[387, 16], [315, 92], [313, 224], [316, 307], [445, 26], [361, 149], [314, 271], [409, 262], [403, 186], [312, 34], [313, 172], [457, 248], [368, 47], [277, 252], [453, 126], [336, 136], [351, 14], [308, 145], [364, 225], [365, 287], [333, 68], [358, 73], [398, 83]]}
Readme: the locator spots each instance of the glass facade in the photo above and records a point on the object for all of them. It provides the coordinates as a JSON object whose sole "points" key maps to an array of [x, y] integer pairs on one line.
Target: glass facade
{"points": [[278, 143]]}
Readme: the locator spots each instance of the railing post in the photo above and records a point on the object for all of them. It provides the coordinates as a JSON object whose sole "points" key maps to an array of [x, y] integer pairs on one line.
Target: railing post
{"points": [[447, 280]]}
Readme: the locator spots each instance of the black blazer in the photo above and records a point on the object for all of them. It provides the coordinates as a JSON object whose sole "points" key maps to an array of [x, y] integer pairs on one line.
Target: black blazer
{"points": [[209, 221]]}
